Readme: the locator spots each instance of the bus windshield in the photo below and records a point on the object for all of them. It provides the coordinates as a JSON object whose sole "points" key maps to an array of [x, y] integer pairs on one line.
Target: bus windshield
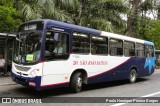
{"points": [[27, 47]]}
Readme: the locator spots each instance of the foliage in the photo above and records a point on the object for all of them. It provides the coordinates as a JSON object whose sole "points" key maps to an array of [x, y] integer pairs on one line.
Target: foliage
{"points": [[152, 32], [100, 14], [146, 27], [107, 15], [37, 9], [111, 11], [8, 17]]}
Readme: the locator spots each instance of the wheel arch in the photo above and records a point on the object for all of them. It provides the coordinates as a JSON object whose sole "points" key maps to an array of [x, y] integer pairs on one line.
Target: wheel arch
{"points": [[84, 75], [134, 67]]}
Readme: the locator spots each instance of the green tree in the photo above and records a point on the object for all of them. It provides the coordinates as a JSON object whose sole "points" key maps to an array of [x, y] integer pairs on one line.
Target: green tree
{"points": [[157, 7], [9, 20], [142, 18], [37, 9], [138, 17], [99, 14], [152, 32], [132, 16]]}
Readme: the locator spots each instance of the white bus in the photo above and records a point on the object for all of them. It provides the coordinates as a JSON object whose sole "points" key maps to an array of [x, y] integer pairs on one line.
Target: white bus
{"points": [[157, 61], [50, 54]]}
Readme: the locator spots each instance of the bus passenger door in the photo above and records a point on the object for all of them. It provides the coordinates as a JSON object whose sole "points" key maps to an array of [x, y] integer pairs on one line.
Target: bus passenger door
{"points": [[57, 65]]}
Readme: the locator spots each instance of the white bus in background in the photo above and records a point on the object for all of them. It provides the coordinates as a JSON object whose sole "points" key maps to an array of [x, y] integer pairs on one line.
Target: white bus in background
{"points": [[157, 56], [6, 48], [87, 56]]}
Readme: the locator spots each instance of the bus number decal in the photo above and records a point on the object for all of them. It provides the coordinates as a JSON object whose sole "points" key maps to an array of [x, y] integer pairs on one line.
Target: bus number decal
{"points": [[75, 62], [83, 62]]}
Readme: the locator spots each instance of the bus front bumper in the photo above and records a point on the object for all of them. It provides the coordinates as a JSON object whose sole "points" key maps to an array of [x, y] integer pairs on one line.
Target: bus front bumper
{"points": [[27, 81]]}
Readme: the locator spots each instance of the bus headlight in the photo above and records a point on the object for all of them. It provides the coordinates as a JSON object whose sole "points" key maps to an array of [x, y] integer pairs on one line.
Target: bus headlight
{"points": [[34, 72]]}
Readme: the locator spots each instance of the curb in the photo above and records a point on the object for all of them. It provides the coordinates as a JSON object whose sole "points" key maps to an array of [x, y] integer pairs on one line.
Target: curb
{"points": [[8, 84], [6, 81], [2, 76]]}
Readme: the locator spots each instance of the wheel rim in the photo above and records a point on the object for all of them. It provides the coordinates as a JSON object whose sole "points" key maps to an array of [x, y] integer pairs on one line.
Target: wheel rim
{"points": [[133, 76], [79, 83]]}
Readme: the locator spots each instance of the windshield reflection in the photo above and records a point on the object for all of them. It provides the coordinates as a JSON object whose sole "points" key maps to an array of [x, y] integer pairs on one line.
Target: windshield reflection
{"points": [[27, 47]]}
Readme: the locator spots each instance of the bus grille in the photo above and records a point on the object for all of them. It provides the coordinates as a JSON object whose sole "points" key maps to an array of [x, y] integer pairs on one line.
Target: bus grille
{"points": [[22, 68]]}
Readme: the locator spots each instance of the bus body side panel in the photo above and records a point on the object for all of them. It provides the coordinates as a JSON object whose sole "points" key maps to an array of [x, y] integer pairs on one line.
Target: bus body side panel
{"points": [[55, 73], [109, 68], [122, 71], [98, 68]]}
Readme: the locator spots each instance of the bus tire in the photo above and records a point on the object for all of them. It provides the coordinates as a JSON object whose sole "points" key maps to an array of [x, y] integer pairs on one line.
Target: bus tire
{"points": [[76, 82], [133, 76]]}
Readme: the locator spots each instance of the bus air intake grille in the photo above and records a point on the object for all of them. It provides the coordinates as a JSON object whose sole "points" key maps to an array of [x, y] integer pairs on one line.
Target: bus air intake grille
{"points": [[22, 68]]}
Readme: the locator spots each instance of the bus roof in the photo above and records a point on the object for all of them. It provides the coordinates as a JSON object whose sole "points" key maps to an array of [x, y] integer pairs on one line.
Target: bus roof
{"points": [[91, 31], [126, 38], [69, 26]]}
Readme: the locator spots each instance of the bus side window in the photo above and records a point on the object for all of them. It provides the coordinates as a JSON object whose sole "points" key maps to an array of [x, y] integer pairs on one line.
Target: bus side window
{"points": [[129, 48], [140, 51], [80, 43], [119, 51], [116, 47], [56, 45], [149, 51], [99, 45], [132, 52]]}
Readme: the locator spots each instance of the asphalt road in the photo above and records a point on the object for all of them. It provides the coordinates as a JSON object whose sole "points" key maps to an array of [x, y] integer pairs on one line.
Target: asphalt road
{"points": [[144, 87]]}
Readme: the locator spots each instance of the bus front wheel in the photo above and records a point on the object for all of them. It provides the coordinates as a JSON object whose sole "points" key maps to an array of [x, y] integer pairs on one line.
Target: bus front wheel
{"points": [[133, 76], [76, 82]]}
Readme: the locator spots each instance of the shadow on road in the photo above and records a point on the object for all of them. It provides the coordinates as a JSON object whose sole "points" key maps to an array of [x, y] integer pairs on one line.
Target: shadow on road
{"points": [[112, 84], [28, 92]]}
